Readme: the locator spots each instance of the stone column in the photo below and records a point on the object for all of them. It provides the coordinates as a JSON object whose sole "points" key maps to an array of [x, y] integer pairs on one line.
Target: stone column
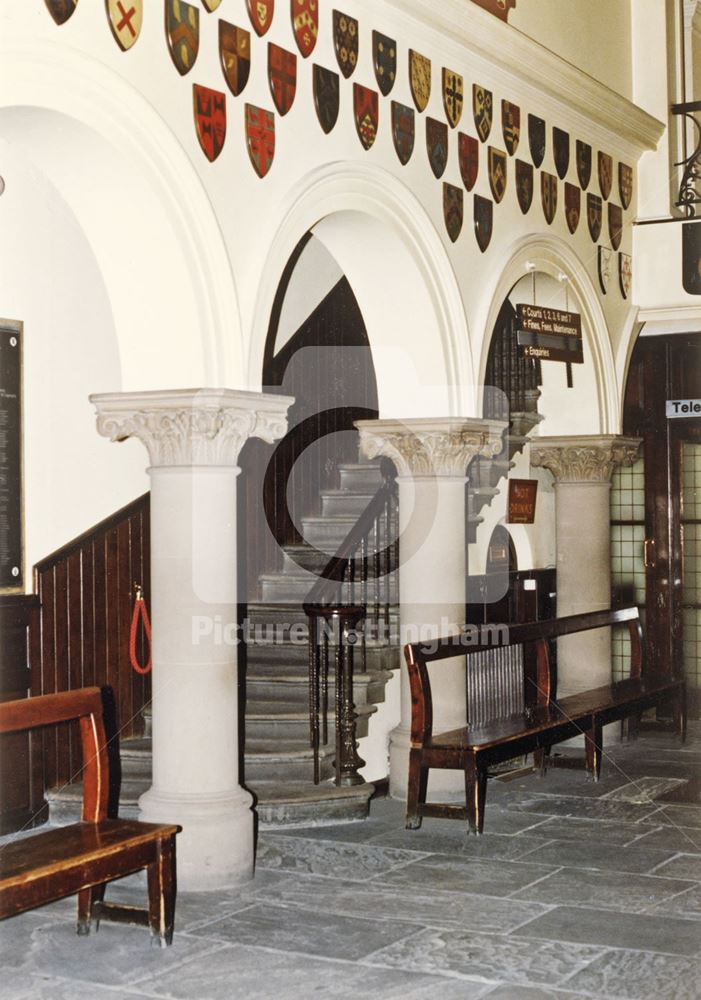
{"points": [[193, 438], [431, 456], [582, 467]]}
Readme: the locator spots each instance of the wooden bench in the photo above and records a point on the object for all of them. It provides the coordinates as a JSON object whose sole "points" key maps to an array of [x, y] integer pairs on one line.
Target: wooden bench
{"points": [[83, 857], [539, 720]]}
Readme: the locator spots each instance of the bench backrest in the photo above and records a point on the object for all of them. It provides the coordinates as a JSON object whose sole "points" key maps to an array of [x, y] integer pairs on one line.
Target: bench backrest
{"points": [[496, 659], [85, 705]]}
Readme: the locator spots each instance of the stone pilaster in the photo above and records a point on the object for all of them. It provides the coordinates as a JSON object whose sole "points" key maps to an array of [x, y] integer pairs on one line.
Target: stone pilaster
{"points": [[194, 438], [431, 456]]}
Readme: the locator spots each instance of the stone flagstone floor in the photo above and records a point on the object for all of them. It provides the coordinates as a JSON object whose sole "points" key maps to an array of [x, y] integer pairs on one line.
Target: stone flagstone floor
{"points": [[575, 890]]}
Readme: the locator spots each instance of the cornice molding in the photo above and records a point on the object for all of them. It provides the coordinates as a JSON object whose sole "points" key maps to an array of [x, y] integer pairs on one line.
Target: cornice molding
{"points": [[515, 55], [186, 427], [584, 458], [441, 447]]}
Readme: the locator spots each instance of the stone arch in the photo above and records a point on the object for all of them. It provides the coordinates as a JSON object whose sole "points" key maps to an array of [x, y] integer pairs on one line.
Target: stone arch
{"points": [[552, 256], [401, 276], [142, 207]]}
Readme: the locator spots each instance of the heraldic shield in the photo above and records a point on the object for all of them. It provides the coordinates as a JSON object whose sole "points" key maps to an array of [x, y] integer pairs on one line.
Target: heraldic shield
{"points": [[260, 138], [125, 17], [483, 218], [615, 225], [211, 5], [366, 105], [61, 10], [482, 107], [345, 42], [524, 184], [469, 159], [210, 119], [510, 125], [403, 131], [419, 79], [497, 173], [437, 145], [282, 76], [625, 184], [605, 174], [261, 14], [561, 152], [625, 273], [384, 57], [305, 23], [594, 215], [452, 210], [573, 204], [583, 164], [452, 96], [548, 195], [536, 139], [326, 97], [183, 33], [235, 55], [604, 255]]}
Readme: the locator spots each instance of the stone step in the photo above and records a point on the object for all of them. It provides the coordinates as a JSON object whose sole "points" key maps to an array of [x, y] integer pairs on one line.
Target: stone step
{"points": [[285, 760], [265, 658], [293, 689], [303, 557], [286, 587], [327, 533], [344, 503], [362, 477], [273, 720], [288, 804]]}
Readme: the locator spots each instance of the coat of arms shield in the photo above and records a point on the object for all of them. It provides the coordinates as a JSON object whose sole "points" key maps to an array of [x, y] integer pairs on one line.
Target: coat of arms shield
{"points": [[615, 213], [366, 104], [573, 206], [260, 138], [282, 77], [625, 273], [183, 33], [261, 14], [524, 184], [452, 96], [210, 119], [305, 24], [604, 261], [345, 42], [625, 184], [561, 152], [211, 5], [468, 159], [548, 195], [125, 17], [594, 215], [536, 139], [483, 219], [327, 90], [61, 10], [482, 109], [384, 57], [437, 145], [510, 125], [452, 210], [419, 79], [583, 156], [497, 172], [234, 55], [605, 174], [403, 131]]}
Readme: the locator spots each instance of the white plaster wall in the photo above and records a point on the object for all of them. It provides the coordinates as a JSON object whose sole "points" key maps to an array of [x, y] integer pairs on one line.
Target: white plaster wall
{"points": [[49, 279], [315, 274], [592, 34]]}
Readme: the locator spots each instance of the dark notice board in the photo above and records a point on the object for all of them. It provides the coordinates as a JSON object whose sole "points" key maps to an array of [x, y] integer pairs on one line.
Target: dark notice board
{"points": [[11, 540]]}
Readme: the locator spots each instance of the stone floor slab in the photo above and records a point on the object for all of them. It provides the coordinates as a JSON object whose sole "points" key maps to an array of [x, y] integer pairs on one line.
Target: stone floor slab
{"points": [[324, 857], [572, 854], [639, 975], [498, 846], [572, 805], [686, 866], [592, 831], [537, 993], [607, 890], [473, 875]]}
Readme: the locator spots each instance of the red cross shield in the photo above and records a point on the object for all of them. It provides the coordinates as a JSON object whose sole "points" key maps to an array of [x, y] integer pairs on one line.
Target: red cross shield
{"points": [[260, 138], [210, 119]]}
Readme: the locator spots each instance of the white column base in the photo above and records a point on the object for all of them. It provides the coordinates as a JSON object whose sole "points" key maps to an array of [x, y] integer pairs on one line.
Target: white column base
{"points": [[215, 848]]}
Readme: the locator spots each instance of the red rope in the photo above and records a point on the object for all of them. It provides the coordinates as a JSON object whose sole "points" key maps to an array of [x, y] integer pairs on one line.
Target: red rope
{"points": [[139, 612]]}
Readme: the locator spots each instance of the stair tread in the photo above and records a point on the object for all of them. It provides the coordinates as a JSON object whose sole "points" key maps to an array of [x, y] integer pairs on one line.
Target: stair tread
{"points": [[280, 711], [291, 791]]}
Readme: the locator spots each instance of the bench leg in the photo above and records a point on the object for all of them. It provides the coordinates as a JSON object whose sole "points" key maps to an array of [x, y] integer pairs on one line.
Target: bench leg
{"points": [[86, 901], [475, 794], [540, 760], [416, 791], [161, 893], [593, 743]]}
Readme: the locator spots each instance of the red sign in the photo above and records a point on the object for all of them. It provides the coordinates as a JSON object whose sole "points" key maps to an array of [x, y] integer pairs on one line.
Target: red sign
{"points": [[522, 497]]}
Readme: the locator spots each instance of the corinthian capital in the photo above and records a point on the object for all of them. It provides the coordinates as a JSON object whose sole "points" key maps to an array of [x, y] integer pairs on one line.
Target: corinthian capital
{"points": [[584, 458], [431, 447], [192, 426]]}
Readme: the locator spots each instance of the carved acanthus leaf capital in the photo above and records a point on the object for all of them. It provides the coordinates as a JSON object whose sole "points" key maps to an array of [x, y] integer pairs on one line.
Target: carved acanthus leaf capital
{"points": [[431, 447], [584, 458], [192, 426]]}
